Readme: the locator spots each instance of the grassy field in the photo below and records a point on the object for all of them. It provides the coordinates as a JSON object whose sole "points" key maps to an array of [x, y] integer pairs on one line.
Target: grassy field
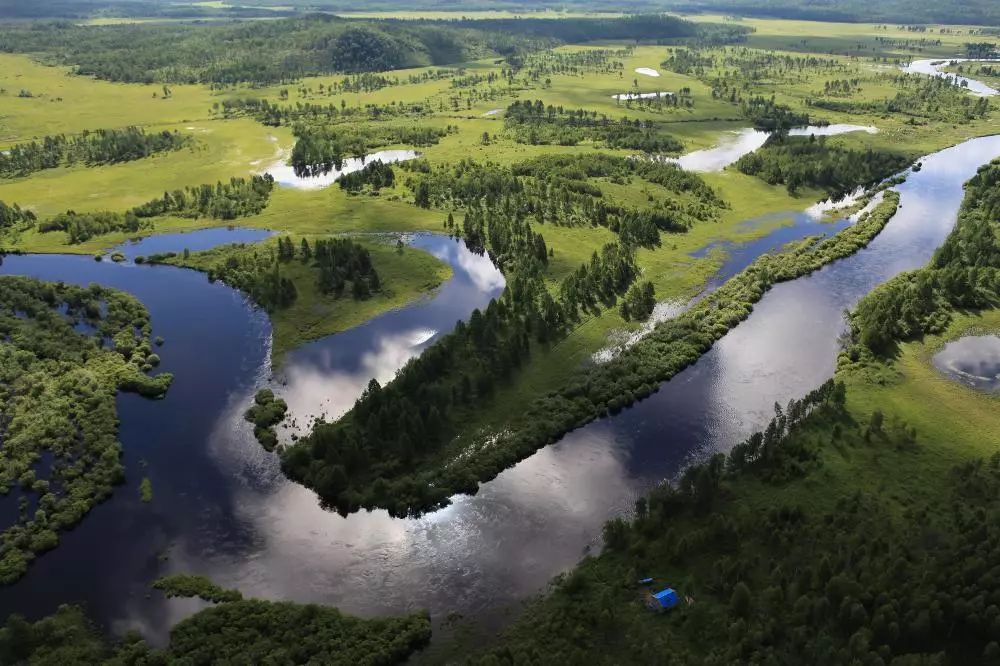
{"points": [[227, 147]]}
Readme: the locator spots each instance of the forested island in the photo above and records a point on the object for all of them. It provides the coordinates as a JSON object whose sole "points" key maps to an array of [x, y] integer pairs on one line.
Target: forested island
{"points": [[65, 353]]}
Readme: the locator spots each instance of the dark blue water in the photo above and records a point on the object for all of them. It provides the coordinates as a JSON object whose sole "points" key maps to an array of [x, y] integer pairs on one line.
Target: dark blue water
{"points": [[222, 509], [194, 446]]}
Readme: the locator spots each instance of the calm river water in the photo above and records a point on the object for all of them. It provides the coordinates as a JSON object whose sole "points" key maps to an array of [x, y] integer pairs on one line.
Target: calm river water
{"points": [[221, 507]]}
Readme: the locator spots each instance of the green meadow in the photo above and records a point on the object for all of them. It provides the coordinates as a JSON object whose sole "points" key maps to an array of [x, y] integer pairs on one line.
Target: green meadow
{"points": [[223, 147]]}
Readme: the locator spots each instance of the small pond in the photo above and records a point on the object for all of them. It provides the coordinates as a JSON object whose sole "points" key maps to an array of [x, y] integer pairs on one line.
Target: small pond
{"points": [[649, 95], [284, 174], [973, 361]]}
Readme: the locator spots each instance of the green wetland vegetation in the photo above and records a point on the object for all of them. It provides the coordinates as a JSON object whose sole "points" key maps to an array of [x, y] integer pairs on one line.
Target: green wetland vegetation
{"points": [[548, 145], [803, 543], [234, 630], [57, 396]]}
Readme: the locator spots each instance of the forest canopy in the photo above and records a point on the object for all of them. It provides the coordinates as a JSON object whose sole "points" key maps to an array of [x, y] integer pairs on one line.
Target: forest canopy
{"points": [[65, 352], [287, 49]]}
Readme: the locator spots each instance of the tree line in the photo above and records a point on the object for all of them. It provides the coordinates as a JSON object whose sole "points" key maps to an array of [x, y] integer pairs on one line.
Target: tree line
{"points": [[919, 98], [367, 458], [798, 162], [964, 274], [824, 581], [240, 197], [286, 49], [232, 631], [319, 150], [13, 215], [103, 146], [375, 175], [537, 124], [384, 453], [563, 190]]}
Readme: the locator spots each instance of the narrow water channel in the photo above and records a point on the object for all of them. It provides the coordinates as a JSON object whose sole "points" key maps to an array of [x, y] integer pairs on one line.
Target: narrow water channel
{"points": [[222, 509]]}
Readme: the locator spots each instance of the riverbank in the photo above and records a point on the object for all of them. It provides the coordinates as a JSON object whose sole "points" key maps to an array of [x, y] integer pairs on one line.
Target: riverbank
{"points": [[405, 275]]}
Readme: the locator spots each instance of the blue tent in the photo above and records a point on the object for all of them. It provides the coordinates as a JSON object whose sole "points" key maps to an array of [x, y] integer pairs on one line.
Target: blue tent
{"points": [[666, 598]]}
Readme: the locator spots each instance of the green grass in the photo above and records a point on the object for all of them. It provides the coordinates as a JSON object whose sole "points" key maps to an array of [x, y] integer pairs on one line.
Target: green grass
{"points": [[405, 275], [225, 148]]}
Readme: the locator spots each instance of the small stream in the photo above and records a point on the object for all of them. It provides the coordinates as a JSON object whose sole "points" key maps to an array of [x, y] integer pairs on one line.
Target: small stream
{"points": [[221, 507]]}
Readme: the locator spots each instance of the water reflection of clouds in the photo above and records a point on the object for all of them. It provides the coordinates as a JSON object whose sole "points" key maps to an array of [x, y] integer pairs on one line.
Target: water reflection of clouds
{"points": [[534, 520], [478, 267], [319, 388]]}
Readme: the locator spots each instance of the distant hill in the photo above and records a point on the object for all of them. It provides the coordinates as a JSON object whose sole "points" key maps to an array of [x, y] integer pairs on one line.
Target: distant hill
{"points": [[963, 12]]}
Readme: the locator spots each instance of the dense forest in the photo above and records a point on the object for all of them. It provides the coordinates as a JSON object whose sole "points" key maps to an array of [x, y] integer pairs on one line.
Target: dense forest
{"points": [[793, 583], [287, 49], [391, 427], [65, 352], [236, 630], [798, 162], [90, 148], [565, 190]]}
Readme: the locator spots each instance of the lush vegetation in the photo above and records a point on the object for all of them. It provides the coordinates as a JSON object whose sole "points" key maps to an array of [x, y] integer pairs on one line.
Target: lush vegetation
{"points": [[323, 149], [65, 352], [974, 12], [287, 49], [386, 451], [537, 124], [90, 148], [375, 175], [265, 413], [239, 197], [14, 216], [792, 581], [564, 190], [964, 274], [772, 571], [188, 585], [313, 287], [639, 301], [235, 631], [919, 99], [798, 162]]}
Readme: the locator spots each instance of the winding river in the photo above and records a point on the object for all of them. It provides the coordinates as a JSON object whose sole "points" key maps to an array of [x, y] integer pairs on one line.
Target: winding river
{"points": [[221, 507]]}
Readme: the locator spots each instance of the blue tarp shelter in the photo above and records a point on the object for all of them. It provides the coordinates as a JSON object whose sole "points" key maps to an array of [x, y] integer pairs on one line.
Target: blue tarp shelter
{"points": [[666, 598]]}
